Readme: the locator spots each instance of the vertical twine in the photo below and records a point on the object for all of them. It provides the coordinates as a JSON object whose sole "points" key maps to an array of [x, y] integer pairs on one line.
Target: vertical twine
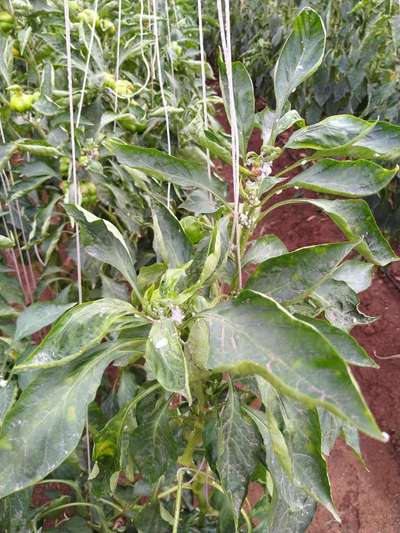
{"points": [[160, 79], [225, 29]]}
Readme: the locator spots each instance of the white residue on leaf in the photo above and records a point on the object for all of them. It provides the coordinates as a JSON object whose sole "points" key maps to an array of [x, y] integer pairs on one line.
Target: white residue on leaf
{"points": [[161, 343]]}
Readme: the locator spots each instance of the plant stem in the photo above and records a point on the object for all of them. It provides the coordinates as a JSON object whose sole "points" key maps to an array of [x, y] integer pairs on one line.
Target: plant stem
{"points": [[178, 501], [275, 206]]}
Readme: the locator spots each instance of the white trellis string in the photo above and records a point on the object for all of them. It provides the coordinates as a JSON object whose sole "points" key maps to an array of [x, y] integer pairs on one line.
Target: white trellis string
{"points": [[203, 79], [160, 79], [6, 188], [170, 45], [89, 55], [14, 236], [118, 52], [148, 68], [14, 257], [75, 182], [225, 29]]}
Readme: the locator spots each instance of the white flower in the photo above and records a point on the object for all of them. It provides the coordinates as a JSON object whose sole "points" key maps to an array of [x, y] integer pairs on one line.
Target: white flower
{"points": [[177, 314], [244, 220], [266, 170], [3, 383]]}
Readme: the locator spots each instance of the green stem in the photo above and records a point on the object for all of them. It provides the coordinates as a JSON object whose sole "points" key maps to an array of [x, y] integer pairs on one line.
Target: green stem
{"points": [[293, 166], [178, 502], [275, 206]]}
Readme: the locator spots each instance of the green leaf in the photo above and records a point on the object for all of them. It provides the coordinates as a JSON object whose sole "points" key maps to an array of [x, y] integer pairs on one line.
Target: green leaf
{"points": [[37, 316], [332, 133], [345, 344], [165, 357], [289, 119], [355, 219], [6, 151], [293, 276], [382, 141], [23, 187], [6, 242], [170, 241], [79, 329], [303, 436], [37, 147], [330, 430], [163, 166], [149, 520], [104, 241], [152, 444], [300, 56], [244, 101], [357, 274], [282, 519], [341, 135], [8, 394], [340, 305], [237, 445], [253, 334], [108, 442], [344, 178], [15, 512], [264, 248], [49, 417]]}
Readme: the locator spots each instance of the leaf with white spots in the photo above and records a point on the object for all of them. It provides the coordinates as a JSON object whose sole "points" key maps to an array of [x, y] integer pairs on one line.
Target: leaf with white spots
{"points": [[254, 335], [103, 241], [292, 276], [237, 446], [165, 357], [78, 330], [45, 425]]}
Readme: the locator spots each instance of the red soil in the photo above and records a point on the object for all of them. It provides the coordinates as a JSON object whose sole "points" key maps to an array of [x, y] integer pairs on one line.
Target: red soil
{"points": [[368, 499]]}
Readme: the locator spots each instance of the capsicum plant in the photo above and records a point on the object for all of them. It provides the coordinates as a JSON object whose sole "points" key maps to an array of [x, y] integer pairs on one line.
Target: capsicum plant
{"points": [[224, 380]]}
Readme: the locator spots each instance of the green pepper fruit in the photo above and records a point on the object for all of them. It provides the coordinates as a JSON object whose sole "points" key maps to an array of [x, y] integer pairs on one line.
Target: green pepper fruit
{"points": [[124, 88], [83, 161], [64, 165], [89, 17], [6, 22], [109, 81], [107, 26], [89, 193], [193, 229], [20, 101]]}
